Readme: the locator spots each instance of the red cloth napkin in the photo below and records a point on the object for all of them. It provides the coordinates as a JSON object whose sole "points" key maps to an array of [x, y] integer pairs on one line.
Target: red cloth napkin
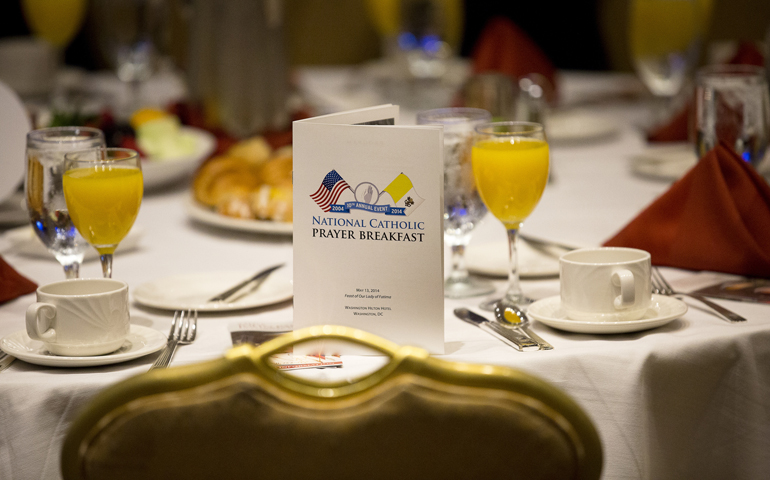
{"points": [[716, 217], [505, 48], [12, 284], [676, 128]]}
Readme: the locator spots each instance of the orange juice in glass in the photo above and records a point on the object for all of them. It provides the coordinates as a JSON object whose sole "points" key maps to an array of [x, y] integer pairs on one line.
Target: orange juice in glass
{"points": [[56, 21], [103, 189], [510, 164]]}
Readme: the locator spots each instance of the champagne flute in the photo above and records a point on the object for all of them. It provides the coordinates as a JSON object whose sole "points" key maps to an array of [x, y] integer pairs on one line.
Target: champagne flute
{"points": [[103, 188], [56, 22], [665, 40], [463, 208], [510, 163], [47, 208]]}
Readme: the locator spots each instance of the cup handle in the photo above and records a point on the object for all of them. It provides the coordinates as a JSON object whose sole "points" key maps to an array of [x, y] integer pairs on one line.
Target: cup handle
{"points": [[625, 280], [37, 312]]}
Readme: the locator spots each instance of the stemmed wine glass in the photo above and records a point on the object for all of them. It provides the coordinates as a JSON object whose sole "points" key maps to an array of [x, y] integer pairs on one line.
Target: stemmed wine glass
{"points": [[463, 208], [510, 163], [47, 208], [103, 188], [665, 41]]}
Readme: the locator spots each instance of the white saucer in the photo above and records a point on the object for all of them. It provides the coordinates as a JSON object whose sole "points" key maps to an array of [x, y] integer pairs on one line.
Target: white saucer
{"points": [[665, 162], [24, 242], [492, 259], [141, 341], [579, 125], [181, 292], [662, 310]]}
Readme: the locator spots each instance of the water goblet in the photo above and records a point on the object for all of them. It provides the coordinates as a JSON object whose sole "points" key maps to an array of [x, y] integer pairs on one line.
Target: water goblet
{"points": [[463, 208], [103, 189], [732, 105], [47, 208], [510, 163]]}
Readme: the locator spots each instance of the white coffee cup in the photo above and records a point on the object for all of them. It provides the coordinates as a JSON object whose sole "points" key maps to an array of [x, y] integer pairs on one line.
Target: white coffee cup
{"points": [[605, 284], [80, 317]]}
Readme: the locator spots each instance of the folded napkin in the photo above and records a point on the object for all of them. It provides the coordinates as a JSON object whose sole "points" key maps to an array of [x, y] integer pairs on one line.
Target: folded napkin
{"points": [[676, 129], [716, 217], [505, 48], [12, 284]]}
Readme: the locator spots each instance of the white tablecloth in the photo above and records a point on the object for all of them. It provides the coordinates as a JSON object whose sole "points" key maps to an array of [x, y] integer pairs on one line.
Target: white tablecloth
{"points": [[690, 399]]}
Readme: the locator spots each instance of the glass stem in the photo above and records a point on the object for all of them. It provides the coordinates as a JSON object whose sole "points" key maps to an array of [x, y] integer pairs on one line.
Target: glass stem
{"points": [[106, 259], [459, 272], [72, 270], [513, 293]]}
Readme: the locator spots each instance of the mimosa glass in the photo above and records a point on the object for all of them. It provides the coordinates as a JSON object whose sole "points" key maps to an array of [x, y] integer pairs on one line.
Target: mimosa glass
{"points": [[47, 208], [463, 208], [510, 163], [665, 41], [103, 189], [55, 21]]}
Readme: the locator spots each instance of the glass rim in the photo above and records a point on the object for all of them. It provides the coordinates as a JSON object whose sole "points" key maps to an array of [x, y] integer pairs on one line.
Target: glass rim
{"points": [[72, 156], [42, 134], [731, 71], [454, 115], [525, 128]]}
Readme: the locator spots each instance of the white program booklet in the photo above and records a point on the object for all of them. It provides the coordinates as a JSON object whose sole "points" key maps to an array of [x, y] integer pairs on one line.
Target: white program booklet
{"points": [[368, 231]]}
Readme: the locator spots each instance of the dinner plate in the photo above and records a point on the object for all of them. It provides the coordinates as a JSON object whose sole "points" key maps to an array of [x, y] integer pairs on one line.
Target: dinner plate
{"points": [[662, 310], [492, 259], [157, 173], [24, 242], [207, 216], [579, 126], [14, 125], [181, 292], [667, 162], [141, 341]]}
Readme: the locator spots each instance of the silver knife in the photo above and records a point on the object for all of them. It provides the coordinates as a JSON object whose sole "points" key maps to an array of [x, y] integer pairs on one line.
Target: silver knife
{"points": [[515, 339], [259, 277], [5, 360]]}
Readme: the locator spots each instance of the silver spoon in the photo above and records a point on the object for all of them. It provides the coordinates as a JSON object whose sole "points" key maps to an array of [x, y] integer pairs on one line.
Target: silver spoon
{"points": [[512, 316]]}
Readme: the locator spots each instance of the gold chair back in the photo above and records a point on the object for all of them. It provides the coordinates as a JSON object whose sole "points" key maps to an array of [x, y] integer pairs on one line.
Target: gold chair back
{"points": [[417, 417]]}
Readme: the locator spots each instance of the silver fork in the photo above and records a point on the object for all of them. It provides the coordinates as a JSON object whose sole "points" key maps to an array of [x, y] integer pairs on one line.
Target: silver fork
{"points": [[662, 287], [184, 329]]}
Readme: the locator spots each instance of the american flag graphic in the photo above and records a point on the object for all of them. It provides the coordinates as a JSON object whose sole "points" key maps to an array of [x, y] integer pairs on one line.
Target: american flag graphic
{"points": [[330, 190]]}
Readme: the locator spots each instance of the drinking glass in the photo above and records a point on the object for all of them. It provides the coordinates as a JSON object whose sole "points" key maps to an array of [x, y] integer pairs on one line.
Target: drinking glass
{"points": [[57, 22], [732, 106], [510, 163], [103, 189], [463, 208], [665, 40], [47, 208], [128, 33]]}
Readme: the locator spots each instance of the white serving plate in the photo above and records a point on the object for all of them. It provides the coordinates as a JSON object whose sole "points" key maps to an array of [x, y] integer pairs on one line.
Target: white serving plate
{"points": [[207, 216], [158, 173]]}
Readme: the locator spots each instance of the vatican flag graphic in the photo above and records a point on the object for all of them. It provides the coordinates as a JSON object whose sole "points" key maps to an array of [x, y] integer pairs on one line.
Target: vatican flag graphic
{"points": [[403, 194]]}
